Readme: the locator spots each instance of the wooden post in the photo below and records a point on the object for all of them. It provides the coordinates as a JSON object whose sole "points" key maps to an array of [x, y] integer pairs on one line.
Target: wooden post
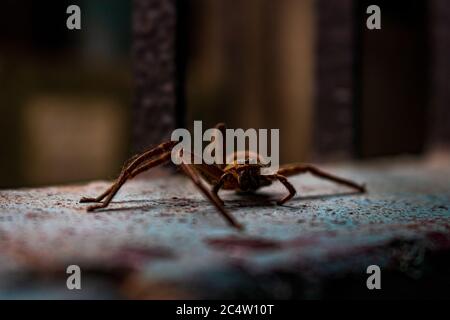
{"points": [[333, 110], [439, 120], [158, 71]]}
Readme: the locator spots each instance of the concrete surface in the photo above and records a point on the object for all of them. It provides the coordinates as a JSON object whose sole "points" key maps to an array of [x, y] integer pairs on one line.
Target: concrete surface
{"points": [[161, 239]]}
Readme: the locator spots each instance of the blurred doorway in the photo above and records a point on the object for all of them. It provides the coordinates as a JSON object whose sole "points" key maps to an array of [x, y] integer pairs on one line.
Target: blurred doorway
{"points": [[392, 80]]}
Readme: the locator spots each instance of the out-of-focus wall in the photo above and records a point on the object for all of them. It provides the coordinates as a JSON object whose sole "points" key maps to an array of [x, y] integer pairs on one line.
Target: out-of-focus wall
{"points": [[65, 95], [439, 120], [251, 64], [297, 67]]}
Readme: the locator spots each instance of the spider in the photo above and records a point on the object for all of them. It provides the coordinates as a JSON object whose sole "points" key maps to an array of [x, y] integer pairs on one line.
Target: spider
{"points": [[243, 177]]}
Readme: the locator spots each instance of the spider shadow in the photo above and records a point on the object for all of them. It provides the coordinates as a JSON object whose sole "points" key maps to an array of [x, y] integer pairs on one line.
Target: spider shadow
{"points": [[255, 199], [266, 199], [250, 199], [147, 205], [124, 209], [320, 197]]}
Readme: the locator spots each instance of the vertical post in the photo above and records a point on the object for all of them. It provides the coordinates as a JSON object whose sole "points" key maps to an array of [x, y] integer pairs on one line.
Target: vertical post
{"points": [[439, 120], [158, 76], [333, 112]]}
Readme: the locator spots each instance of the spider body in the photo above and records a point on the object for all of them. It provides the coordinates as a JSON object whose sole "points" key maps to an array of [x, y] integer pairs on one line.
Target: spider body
{"points": [[244, 176]]}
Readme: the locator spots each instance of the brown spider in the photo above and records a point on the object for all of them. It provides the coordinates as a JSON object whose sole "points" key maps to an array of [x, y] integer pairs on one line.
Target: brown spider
{"points": [[240, 177]]}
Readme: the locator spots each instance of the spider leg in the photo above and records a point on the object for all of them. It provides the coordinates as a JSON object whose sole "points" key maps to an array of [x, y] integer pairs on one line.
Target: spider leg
{"points": [[219, 185], [292, 169], [194, 176], [288, 186], [108, 191], [98, 198], [129, 175], [211, 173], [130, 165], [222, 128]]}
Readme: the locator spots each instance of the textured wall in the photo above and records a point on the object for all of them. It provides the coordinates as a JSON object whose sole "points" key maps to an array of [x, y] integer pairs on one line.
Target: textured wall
{"points": [[158, 101], [439, 125], [155, 71], [333, 133], [338, 88]]}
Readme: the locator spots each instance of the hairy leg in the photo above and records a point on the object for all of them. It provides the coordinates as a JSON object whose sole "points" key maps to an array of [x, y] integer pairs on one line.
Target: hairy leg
{"points": [[288, 186], [222, 128], [219, 185], [293, 169], [130, 165], [195, 177], [129, 175]]}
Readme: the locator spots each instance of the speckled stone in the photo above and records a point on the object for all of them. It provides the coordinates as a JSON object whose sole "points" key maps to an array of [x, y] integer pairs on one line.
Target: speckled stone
{"points": [[160, 238]]}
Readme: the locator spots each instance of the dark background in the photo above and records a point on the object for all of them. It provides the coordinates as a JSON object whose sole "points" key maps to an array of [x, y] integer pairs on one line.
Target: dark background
{"points": [[336, 90], [65, 95]]}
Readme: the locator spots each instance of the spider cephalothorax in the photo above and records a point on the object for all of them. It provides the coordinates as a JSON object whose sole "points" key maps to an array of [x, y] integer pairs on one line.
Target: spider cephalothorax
{"points": [[249, 178], [245, 175], [237, 175]]}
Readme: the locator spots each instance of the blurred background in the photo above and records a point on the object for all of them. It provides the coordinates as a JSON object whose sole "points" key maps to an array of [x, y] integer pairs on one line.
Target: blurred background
{"points": [[308, 67], [65, 95]]}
